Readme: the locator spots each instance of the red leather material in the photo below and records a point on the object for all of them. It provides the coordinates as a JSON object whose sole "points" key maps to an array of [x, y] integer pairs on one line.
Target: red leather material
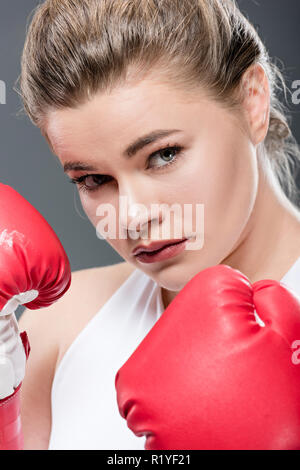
{"points": [[207, 376], [11, 436], [31, 255], [25, 342], [31, 259]]}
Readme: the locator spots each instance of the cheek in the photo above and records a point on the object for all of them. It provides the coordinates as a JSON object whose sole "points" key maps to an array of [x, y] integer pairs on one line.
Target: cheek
{"points": [[100, 214], [228, 191], [104, 217], [227, 186], [90, 205]]}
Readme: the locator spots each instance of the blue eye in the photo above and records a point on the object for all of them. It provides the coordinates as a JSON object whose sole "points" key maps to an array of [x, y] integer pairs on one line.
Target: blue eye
{"points": [[165, 155]]}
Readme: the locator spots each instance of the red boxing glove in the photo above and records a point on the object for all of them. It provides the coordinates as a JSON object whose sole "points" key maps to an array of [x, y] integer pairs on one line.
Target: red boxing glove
{"points": [[209, 376], [34, 270]]}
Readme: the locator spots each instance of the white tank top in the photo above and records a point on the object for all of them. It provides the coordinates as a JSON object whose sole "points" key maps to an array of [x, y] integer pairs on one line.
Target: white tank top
{"points": [[85, 415]]}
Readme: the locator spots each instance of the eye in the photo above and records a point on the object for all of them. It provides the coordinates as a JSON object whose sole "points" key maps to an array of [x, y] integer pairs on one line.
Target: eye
{"points": [[90, 182], [165, 156]]}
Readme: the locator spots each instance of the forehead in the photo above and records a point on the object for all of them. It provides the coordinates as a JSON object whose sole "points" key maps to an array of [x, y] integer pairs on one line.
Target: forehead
{"points": [[127, 110]]}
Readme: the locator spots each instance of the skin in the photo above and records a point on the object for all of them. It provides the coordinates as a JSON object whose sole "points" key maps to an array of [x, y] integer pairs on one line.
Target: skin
{"points": [[249, 224]]}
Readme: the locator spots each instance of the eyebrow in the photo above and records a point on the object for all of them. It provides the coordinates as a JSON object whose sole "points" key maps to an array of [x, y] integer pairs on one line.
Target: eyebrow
{"points": [[129, 152]]}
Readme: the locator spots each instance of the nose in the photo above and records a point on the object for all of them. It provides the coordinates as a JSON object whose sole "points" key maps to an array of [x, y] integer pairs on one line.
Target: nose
{"points": [[137, 211]]}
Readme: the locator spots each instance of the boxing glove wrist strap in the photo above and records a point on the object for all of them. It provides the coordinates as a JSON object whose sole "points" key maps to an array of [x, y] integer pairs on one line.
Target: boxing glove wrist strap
{"points": [[11, 436], [13, 303]]}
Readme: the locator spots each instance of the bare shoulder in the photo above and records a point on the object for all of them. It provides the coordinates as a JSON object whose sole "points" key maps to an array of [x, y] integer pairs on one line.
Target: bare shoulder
{"points": [[90, 290]]}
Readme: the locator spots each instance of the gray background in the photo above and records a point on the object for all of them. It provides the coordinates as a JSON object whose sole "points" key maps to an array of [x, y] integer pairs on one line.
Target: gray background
{"points": [[27, 163]]}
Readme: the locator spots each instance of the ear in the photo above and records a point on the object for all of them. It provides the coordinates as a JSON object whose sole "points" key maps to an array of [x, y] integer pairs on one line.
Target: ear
{"points": [[256, 102]]}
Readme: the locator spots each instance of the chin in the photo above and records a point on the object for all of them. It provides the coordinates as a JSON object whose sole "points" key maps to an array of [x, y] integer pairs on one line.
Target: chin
{"points": [[174, 278]]}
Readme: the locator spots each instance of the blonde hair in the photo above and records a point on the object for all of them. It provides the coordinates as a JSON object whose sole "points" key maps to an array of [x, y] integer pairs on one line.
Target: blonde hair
{"points": [[74, 49]]}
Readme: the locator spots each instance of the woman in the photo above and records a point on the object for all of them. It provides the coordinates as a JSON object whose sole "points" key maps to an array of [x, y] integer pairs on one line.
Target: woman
{"points": [[169, 102]]}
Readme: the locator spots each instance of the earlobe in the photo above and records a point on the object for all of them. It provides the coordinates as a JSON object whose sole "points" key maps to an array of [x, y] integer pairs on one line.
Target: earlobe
{"points": [[256, 102]]}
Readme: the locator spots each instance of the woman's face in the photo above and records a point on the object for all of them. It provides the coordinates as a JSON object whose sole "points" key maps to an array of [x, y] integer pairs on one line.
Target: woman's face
{"points": [[210, 162]]}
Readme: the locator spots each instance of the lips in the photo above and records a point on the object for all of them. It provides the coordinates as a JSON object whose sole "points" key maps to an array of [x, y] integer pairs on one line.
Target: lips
{"points": [[154, 246]]}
